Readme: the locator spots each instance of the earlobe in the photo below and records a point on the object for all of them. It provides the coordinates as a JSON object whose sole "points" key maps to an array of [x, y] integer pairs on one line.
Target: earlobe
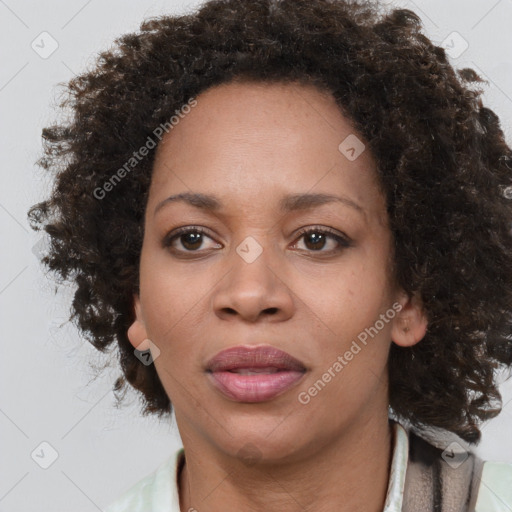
{"points": [[410, 323], [137, 333]]}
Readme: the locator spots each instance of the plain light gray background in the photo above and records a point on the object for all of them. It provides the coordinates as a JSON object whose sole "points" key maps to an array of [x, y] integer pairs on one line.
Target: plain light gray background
{"points": [[48, 391]]}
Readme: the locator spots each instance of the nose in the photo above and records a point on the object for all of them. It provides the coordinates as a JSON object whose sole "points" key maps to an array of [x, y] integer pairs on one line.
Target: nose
{"points": [[254, 290]]}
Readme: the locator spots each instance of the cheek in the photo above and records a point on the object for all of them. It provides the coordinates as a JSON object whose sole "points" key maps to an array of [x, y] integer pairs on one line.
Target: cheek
{"points": [[345, 321], [166, 299], [168, 289], [347, 295], [176, 299]]}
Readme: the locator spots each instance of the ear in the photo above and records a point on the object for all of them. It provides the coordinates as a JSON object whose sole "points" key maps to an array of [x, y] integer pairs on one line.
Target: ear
{"points": [[410, 323], [137, 333]]}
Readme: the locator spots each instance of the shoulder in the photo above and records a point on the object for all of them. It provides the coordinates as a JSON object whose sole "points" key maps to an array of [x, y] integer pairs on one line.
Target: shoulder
{"points": [[157, 491], [495, 489]]}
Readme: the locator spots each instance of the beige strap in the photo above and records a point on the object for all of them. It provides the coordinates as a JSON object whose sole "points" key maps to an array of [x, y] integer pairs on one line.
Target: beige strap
{"points": [[435, 485]]}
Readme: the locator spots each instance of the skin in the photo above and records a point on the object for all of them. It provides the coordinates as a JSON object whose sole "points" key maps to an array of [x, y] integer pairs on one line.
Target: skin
{"points": [[250, 144]]}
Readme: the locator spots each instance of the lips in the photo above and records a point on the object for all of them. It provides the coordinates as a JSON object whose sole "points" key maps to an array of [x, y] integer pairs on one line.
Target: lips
{"points": [[243, 357], [254, 374]]}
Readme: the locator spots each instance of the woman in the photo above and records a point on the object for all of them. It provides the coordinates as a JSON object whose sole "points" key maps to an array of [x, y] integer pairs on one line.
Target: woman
{"points": [[293, 220]]}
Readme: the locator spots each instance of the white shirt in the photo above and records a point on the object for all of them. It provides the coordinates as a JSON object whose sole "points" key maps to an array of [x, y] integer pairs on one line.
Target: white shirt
{"points": [[158, 491]]}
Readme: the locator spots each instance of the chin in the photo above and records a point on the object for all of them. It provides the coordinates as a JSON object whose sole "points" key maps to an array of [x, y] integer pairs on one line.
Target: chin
{"points": [[255, 441]]}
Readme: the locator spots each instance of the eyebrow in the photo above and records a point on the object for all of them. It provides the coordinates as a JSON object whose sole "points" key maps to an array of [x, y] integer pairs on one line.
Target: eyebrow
{"points": [[289, 203]]}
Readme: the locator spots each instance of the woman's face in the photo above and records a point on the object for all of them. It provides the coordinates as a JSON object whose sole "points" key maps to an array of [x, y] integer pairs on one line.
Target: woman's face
{"points": [[254, 279]]}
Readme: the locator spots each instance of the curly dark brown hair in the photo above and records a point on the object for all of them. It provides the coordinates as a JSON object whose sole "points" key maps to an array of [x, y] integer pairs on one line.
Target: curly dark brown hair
{"points": [[444, 166]]}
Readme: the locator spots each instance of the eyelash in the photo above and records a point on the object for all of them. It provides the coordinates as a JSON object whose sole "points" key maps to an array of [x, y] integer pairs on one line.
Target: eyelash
{"points": [[343, 241]]}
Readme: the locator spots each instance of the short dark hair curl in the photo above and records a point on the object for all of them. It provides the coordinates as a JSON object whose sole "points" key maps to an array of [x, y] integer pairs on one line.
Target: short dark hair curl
{"points": [[443, 164]]}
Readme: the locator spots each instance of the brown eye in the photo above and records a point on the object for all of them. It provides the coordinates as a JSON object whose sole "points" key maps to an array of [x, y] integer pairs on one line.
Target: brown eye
{"points": [[316, 239], [190, 238]]}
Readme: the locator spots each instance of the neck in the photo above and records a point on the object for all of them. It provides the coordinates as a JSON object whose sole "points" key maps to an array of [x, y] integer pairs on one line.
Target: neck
{"points": [[349, 474]]}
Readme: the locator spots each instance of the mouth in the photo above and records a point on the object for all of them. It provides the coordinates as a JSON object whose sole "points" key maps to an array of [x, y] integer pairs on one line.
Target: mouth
{"points": [[254, 374], [256, 371]]}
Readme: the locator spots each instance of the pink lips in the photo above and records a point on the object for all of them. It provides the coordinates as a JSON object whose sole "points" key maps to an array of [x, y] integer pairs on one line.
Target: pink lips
{"points": [[254, 374]]}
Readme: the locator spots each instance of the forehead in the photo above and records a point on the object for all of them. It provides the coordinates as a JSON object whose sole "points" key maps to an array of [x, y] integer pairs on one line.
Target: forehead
{"points": [[250, 140]]}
